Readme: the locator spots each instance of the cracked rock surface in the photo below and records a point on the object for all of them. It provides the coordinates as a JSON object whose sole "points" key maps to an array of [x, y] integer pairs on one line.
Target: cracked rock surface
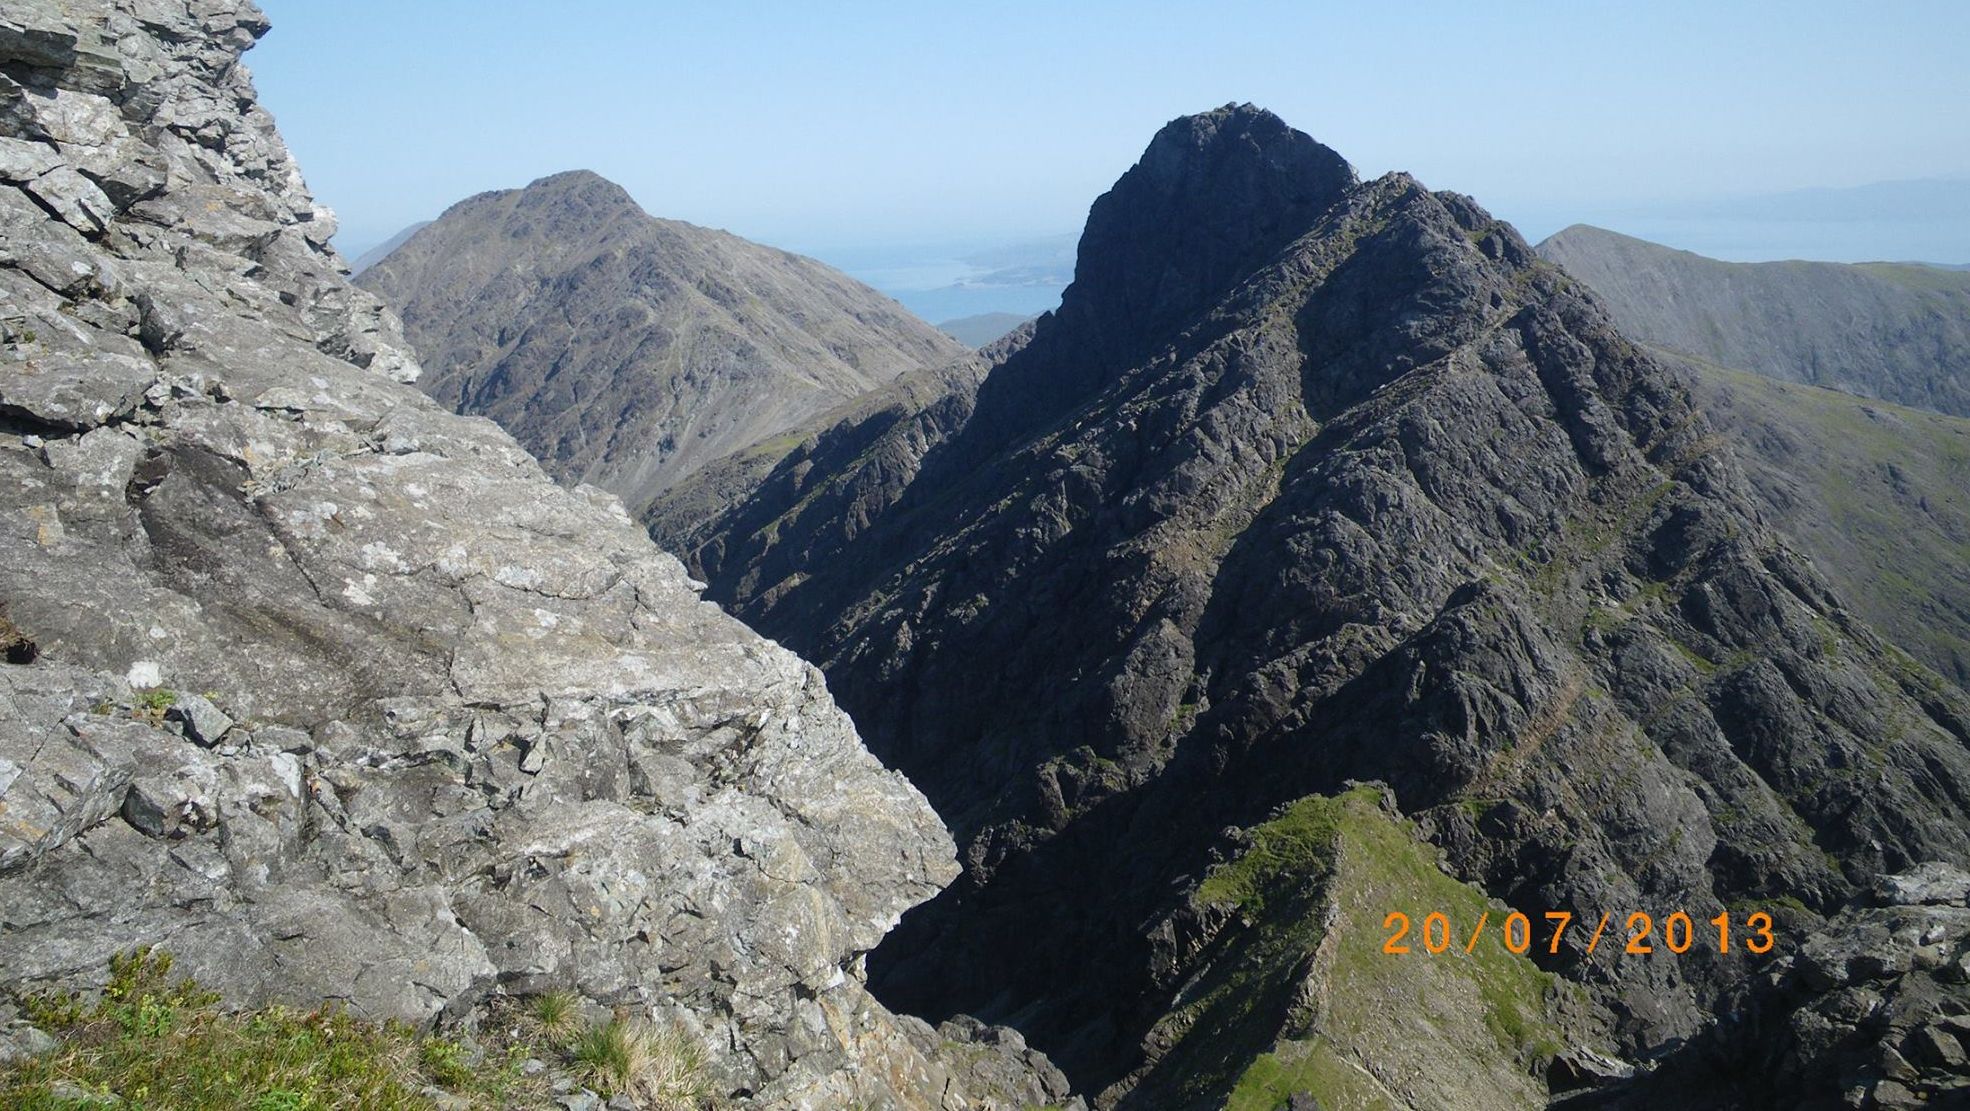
{"points": [[334, 694]]}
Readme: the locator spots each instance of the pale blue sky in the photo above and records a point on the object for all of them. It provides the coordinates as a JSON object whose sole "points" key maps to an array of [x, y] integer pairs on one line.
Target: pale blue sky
{"points": [[838, 127]]}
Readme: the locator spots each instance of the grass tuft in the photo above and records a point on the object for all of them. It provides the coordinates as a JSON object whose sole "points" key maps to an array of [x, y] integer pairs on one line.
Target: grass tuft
{"points": [[153, 1041], [558, 1013], [660, 1067], [153, 703]]}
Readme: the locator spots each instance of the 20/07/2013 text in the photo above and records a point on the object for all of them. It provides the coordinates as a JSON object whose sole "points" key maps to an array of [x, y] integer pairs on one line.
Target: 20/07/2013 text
{"points": [[1678, 934]]}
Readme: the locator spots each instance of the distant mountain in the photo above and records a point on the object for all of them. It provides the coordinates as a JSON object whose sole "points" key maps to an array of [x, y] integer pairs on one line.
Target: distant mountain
{"points": [[1896, 331], [985, 328], [1308, 483], [382, 250], [1926, 220], [1873, 491], [628, 351], [1916, 200]]}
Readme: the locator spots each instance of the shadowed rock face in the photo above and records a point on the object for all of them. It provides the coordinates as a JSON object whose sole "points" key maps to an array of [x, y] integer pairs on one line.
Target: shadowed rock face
{"points": [[336, 695], [1896, 331], [1214, 196], [627, 351], [1351, 487]]}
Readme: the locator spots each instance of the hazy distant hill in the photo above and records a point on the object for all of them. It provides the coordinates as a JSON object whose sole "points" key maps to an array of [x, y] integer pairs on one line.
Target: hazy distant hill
{"points": [[1928, 200], [1897, 331], [628, 351], [382, 250], [977, 331], [1925, 221]]}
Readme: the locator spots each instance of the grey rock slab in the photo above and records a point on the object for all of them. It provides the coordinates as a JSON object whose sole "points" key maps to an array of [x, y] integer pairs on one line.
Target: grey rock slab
{"points": [[73, 198], [203, 723], [1936, 1046], [1934, 882], [66, 769], [22, 161], [20, 1042], [35, 33], [68, 379]]}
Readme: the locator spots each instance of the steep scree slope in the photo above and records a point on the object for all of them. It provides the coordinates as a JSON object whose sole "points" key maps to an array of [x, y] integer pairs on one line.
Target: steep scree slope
{"points": [[334, 694], [1311, 481]]}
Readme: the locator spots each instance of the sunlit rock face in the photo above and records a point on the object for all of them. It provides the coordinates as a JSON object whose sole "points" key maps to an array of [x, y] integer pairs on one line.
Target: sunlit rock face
{"points": [[336, 695]]}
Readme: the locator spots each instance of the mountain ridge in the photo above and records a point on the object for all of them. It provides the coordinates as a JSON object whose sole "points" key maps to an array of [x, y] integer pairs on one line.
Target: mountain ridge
{"points": [[1368, 493], [1868, 488], [382, 250]]}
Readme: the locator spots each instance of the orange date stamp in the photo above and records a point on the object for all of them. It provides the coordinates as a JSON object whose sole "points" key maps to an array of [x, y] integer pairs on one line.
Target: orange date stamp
{"points": [[1678, 933]]}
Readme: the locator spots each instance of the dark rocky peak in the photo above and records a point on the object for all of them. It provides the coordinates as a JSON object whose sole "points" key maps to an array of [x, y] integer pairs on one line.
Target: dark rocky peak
{"points": [[1396, 502], [1213, 196]]}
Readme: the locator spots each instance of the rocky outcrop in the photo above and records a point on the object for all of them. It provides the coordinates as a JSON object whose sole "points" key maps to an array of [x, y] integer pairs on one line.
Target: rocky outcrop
{"points": [[845, 467], [1873, 1011], [1337, 482], [1895, 331], [334, 694], [627, 351]]}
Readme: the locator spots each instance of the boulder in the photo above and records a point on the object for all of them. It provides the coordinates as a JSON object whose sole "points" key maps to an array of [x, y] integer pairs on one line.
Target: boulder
{"points": [[1933, 883]]}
